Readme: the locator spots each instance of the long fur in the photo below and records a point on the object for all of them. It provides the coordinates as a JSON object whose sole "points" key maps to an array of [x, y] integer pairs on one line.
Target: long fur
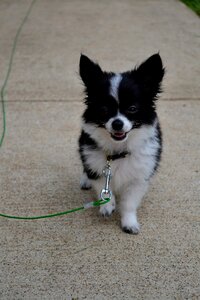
{"points": [[120, 115]]}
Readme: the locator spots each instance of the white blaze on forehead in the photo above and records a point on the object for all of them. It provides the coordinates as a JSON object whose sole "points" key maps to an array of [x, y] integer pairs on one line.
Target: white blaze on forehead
{"points": [[114, 85]]}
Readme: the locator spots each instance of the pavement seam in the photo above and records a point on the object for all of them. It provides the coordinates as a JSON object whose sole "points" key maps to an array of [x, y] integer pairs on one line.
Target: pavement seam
{"points": [[80, 100]]}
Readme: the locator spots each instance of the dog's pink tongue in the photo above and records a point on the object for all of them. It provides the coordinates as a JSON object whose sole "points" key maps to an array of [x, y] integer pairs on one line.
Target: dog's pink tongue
{"points": [[119, 134]]}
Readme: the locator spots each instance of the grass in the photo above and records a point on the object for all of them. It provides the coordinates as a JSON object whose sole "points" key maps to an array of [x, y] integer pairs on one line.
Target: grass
{"points": [[194, 5]]}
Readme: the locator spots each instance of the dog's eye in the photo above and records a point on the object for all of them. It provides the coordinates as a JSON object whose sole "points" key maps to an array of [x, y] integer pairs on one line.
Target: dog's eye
{"points": [[132, 109], [104, 110]]}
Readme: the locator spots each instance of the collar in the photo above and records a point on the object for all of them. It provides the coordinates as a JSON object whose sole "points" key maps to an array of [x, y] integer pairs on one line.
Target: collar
{"points": [[118, 155]]}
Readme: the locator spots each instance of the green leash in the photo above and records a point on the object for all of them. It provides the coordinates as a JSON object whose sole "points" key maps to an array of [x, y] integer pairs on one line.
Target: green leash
{"points": [[3, 91], [85, 206]]}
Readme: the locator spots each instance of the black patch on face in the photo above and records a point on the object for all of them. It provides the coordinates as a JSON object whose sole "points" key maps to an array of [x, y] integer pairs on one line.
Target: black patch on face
{"points": [[132, 103], [100, 108]]}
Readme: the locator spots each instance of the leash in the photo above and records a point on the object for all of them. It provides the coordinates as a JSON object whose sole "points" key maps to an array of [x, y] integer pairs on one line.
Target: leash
{"points": [[3, 89], [105, 193], [85, 206]]}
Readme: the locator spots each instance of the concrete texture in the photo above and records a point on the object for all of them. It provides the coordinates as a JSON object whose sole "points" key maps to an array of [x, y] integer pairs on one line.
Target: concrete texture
{"points": [[118, 34], [83, 256]]}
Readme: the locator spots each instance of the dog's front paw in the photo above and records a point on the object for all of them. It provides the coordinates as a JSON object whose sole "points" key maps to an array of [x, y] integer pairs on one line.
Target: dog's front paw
{"points": [[129, 223], [85, 183], [107, 209]]}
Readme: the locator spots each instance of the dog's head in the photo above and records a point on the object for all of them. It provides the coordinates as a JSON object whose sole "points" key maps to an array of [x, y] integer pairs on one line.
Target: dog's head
{"points": [[121, 102]]}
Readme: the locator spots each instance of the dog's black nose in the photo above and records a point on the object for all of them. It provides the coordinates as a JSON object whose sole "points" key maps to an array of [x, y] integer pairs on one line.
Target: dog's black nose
{"points": [[117, 124]]}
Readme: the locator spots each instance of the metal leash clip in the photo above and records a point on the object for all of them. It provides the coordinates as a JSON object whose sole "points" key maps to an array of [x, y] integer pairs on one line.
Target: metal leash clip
{"points": [[106, 192]]}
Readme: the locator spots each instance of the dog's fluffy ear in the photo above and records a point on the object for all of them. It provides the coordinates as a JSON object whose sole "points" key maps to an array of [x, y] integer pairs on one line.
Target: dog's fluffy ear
{"points": [[150, 73], [89, 71]]}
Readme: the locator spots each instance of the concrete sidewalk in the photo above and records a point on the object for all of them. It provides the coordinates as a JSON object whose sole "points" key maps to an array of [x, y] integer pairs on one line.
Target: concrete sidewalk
{"points": [[83, 256]]}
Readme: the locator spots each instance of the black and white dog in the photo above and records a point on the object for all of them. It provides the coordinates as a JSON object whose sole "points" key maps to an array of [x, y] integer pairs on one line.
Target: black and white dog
{"points": [[120, 121]]}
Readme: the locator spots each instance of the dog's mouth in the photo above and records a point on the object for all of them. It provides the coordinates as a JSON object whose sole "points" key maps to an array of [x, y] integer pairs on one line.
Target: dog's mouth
{"points": [[118, 136]]}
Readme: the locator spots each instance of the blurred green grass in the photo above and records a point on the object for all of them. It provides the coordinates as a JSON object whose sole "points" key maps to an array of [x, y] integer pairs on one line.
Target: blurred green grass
{"points": [[194, 5]]}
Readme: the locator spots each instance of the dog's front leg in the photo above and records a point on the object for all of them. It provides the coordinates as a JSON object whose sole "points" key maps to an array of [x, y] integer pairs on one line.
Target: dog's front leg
{"points": [[107, 209], [130, 201]]}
